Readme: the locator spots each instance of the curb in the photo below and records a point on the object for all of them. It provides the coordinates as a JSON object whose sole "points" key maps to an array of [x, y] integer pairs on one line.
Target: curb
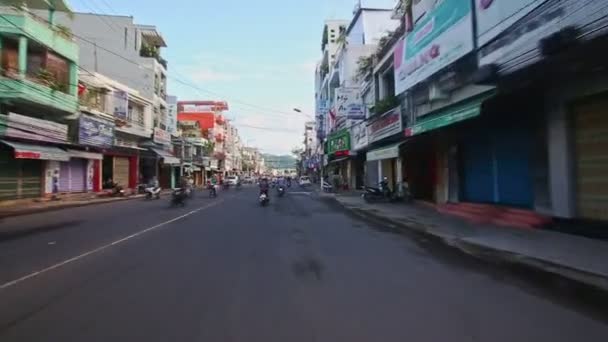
{"points": [[480, 251], [66, 206]]}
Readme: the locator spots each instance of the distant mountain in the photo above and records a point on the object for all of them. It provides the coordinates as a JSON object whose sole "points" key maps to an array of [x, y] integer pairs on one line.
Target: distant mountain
{"points": [[279, 161]]}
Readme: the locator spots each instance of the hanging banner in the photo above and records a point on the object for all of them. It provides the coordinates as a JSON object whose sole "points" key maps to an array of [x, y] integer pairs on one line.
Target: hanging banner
{"points": [[442, 36], [121, 104], [349, 104], [95, 131]]}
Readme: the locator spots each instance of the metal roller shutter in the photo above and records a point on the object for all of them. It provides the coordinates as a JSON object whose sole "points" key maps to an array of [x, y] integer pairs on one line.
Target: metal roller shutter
{"points": [[8, 176], [121, 171], [591, 148]]}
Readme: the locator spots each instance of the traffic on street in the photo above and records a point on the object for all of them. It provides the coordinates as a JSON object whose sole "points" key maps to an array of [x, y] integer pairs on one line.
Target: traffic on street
{"points": [[226, 269]]}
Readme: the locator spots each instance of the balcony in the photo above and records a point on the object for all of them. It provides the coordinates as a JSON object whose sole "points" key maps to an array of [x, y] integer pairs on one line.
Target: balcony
{"points": [[56, 38], [29, 92]]}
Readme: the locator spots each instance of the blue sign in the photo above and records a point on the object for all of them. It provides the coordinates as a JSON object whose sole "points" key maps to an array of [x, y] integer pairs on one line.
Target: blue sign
{"points": [[95, 132]]}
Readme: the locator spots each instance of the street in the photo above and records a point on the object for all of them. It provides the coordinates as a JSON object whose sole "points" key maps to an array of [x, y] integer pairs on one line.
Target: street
{"points": [[226, 269]]}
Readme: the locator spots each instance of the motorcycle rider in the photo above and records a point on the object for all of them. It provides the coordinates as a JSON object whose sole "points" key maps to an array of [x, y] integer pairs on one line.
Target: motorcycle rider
{"points": [[264, 186]]}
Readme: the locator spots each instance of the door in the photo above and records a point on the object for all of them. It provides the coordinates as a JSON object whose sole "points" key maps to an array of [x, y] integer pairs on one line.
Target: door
{"points": [[477, 170], [78, 172], [591, 149], [513, 174], [121, 171]]}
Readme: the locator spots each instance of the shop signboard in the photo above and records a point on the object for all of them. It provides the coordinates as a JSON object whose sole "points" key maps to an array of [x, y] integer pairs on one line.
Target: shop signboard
{"points": [[161, 136], [516, 45], [359, 136], [120, 104], [385, 125], [384, 153], [338, 142], [442, 36], [95, 131], [171, 120], [349, 104]]}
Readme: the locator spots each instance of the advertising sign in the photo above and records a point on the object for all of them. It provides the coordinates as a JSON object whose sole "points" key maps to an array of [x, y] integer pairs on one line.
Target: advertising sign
{"points": [[494, 16], [359, 136], [121, 104], [95, 132], [161, 136], [442, 36], [349, 104], [385, 125], [338, 142], [171, 120]]}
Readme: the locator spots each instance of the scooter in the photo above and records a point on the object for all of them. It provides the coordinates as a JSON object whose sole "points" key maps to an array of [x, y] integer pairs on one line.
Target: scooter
{"points": [[212, 191], [178, 197], [152, 193], [117, 191], [383, 192], [264, 199], [281, 191], [327, 187]]}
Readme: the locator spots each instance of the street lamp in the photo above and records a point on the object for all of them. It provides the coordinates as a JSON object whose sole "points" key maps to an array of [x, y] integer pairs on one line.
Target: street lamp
{"points": [[298, 110]]}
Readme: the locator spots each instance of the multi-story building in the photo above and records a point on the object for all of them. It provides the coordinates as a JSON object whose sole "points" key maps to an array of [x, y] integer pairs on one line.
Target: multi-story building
{"points": [[213, 125], [38, 95], [127, 52]]}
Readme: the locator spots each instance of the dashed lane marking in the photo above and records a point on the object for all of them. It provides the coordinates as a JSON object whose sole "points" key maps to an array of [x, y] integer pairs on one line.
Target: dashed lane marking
{"points": [[104, 247]]}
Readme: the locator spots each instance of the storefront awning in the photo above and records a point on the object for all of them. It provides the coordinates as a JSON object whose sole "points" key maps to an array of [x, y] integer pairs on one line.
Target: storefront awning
{"points": [[31, 151], [338, 160], [387, 152], [449, 115], [85, 155], [168, 158]]}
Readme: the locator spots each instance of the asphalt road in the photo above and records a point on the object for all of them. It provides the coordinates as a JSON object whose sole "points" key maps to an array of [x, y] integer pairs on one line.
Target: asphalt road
{"points": [[225, 269]]}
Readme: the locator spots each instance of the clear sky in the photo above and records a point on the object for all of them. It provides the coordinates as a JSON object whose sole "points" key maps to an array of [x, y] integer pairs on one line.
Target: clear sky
{"points": [[255, 54]]}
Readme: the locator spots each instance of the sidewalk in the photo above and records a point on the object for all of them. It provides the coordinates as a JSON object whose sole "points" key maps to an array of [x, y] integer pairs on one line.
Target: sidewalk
{"points": [[26, 207], [578, 258]]}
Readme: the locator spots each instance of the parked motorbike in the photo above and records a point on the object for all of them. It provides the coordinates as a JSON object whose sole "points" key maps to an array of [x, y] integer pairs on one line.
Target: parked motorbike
{"points": [[178, 197], [380, 193], [117, 191], [152, 192], [264, 199], [327, 187], [281, 191]]}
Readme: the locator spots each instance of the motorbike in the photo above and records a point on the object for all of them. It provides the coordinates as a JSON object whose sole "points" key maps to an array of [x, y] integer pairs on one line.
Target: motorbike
{"points": [[152, 192], [281, 191], [212, 191], [327, 187], [117, 191], [263, 199], [178, 197], [380, 193]]}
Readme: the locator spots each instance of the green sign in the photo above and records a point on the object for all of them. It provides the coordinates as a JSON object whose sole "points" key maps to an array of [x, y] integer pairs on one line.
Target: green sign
{"points": [[451, 114], [339, 141]]}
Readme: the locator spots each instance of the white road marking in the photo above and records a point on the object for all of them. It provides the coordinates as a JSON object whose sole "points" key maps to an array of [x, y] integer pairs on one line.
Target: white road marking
{"points": [[99, 249], [299, 193], [51, 243]]}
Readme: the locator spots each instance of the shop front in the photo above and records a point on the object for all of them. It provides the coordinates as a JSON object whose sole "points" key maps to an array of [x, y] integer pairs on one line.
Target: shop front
{"points": [[79, 173], [384, 132], [22, 169], [339, 167], [168, 166], [359, 145]]}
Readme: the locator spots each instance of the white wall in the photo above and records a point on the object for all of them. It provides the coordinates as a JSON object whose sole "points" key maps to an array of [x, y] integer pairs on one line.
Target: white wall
{"points": [[376, 24]]}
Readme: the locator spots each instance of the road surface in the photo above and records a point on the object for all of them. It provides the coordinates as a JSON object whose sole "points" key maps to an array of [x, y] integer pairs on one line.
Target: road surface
{"points": [[225, 269]]}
